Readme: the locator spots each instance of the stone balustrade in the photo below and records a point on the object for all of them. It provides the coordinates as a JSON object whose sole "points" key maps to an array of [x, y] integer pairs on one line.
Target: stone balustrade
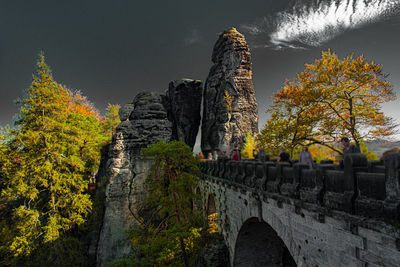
{"points": [[365, 188]]}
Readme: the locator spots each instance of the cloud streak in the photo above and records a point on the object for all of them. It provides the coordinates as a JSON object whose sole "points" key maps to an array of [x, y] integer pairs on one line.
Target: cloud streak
{"points": [[192, 39], [308, 24]]}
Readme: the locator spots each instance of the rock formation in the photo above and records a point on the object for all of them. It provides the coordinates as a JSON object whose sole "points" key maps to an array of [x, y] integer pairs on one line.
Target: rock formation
{"points": [[125, 112], [184, 104], [225, 122], [126, 172]]}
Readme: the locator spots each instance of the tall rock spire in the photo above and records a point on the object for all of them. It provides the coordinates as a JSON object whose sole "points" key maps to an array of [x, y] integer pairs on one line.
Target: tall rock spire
{"points": [[183, 102], [230, 108]]}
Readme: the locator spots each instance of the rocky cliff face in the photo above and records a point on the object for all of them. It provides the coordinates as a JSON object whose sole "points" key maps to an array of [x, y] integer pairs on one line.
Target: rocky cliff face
{"points": [[226, 122], [229, 112], [184, 104], [125, 193]]}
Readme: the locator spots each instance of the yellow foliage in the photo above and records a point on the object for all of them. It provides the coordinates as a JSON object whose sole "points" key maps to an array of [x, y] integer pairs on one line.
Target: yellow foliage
{"points": [[248, 146], [228, 101], [369, 153], [212, 223]]}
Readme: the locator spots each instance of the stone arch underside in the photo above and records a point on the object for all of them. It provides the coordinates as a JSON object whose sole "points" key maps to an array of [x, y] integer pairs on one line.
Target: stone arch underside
{"points": [[258, 244], [211, 208]]}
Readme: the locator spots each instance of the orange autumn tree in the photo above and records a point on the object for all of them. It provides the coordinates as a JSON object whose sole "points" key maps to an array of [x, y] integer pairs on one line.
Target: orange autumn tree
{"points": [[331, 98], [77, 103]]}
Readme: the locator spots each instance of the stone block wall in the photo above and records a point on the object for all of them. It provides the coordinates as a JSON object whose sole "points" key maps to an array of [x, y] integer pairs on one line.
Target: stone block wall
{"points": [[314, 233], [353, 189]]}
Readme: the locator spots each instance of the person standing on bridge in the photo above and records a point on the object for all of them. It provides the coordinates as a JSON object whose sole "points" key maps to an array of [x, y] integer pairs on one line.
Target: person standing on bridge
{"points": [[215, 155], [259, 154], [236, 154], [347, 149], [284, 156], [306, 158]]}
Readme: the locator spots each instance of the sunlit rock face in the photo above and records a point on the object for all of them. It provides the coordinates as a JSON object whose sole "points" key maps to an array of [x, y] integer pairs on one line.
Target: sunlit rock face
{"points": [[225, 125], [126, 171], [184, 104]]}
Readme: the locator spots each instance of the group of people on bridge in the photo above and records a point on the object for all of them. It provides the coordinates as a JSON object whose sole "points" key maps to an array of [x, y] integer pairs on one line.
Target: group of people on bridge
{"points": [[235, 155], [259, 154]]}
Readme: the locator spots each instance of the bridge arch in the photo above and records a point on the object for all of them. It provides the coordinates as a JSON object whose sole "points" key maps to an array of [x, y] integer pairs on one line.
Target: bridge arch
{"points": [[258, 244], [211, 207], [212, 214]]}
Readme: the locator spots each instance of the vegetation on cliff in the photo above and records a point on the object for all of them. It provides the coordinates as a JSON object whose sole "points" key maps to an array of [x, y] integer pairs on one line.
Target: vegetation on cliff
{"points": [[170, 236], [46, 162], [331, 98], [248, 146]]}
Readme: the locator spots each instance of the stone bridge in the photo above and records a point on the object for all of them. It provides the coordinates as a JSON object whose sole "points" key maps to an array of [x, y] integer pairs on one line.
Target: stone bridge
{"points": [[275, 214]]}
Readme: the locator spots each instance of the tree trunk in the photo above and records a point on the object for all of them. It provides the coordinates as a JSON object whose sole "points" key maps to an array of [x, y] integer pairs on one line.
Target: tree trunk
{"points": [[184, 256], [182, 244]]}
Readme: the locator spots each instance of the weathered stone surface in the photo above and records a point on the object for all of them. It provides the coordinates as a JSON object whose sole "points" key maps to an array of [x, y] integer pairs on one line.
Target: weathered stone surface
{"points": [[183, 105], [335, 241], [126, 172], [125, 112], [314, 233], [225, 126], [147, 124], [215, 253]]}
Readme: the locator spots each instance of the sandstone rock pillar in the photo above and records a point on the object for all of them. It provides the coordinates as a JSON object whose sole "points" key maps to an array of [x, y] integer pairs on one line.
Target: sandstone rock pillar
{"points": [[229, 104], [126, 171]]}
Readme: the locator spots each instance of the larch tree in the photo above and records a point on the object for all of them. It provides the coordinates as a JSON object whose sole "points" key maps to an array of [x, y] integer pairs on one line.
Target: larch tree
{"points": [[46, 163], [331, 98], [111, 120]]}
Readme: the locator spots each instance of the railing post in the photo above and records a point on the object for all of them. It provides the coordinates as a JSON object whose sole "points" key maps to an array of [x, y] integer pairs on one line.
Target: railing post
{"points": [[234, 171], [352, 163], [392, 174], [260, 175], [241, 173], [266, 178], [221, 165], [279, 174], [250, 169]]}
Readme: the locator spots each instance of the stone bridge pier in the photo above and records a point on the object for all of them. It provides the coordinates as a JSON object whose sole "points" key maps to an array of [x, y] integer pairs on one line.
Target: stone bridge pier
{"points": [[308, 217]]}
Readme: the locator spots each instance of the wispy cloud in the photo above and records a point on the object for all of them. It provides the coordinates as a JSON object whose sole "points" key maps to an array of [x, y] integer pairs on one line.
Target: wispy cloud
{"points": [[193, 38], [312, 23]]}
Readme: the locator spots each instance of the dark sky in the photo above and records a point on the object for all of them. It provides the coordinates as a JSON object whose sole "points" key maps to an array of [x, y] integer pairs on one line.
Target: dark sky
{"points": [[111, 50]]}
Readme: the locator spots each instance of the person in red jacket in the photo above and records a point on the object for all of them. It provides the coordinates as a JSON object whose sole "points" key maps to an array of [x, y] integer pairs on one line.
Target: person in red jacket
{"points": [[236, 154]]}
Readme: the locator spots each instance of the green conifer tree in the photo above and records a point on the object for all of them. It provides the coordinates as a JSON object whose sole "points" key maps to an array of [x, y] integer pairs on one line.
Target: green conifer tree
{"points": [[46, 163]]}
